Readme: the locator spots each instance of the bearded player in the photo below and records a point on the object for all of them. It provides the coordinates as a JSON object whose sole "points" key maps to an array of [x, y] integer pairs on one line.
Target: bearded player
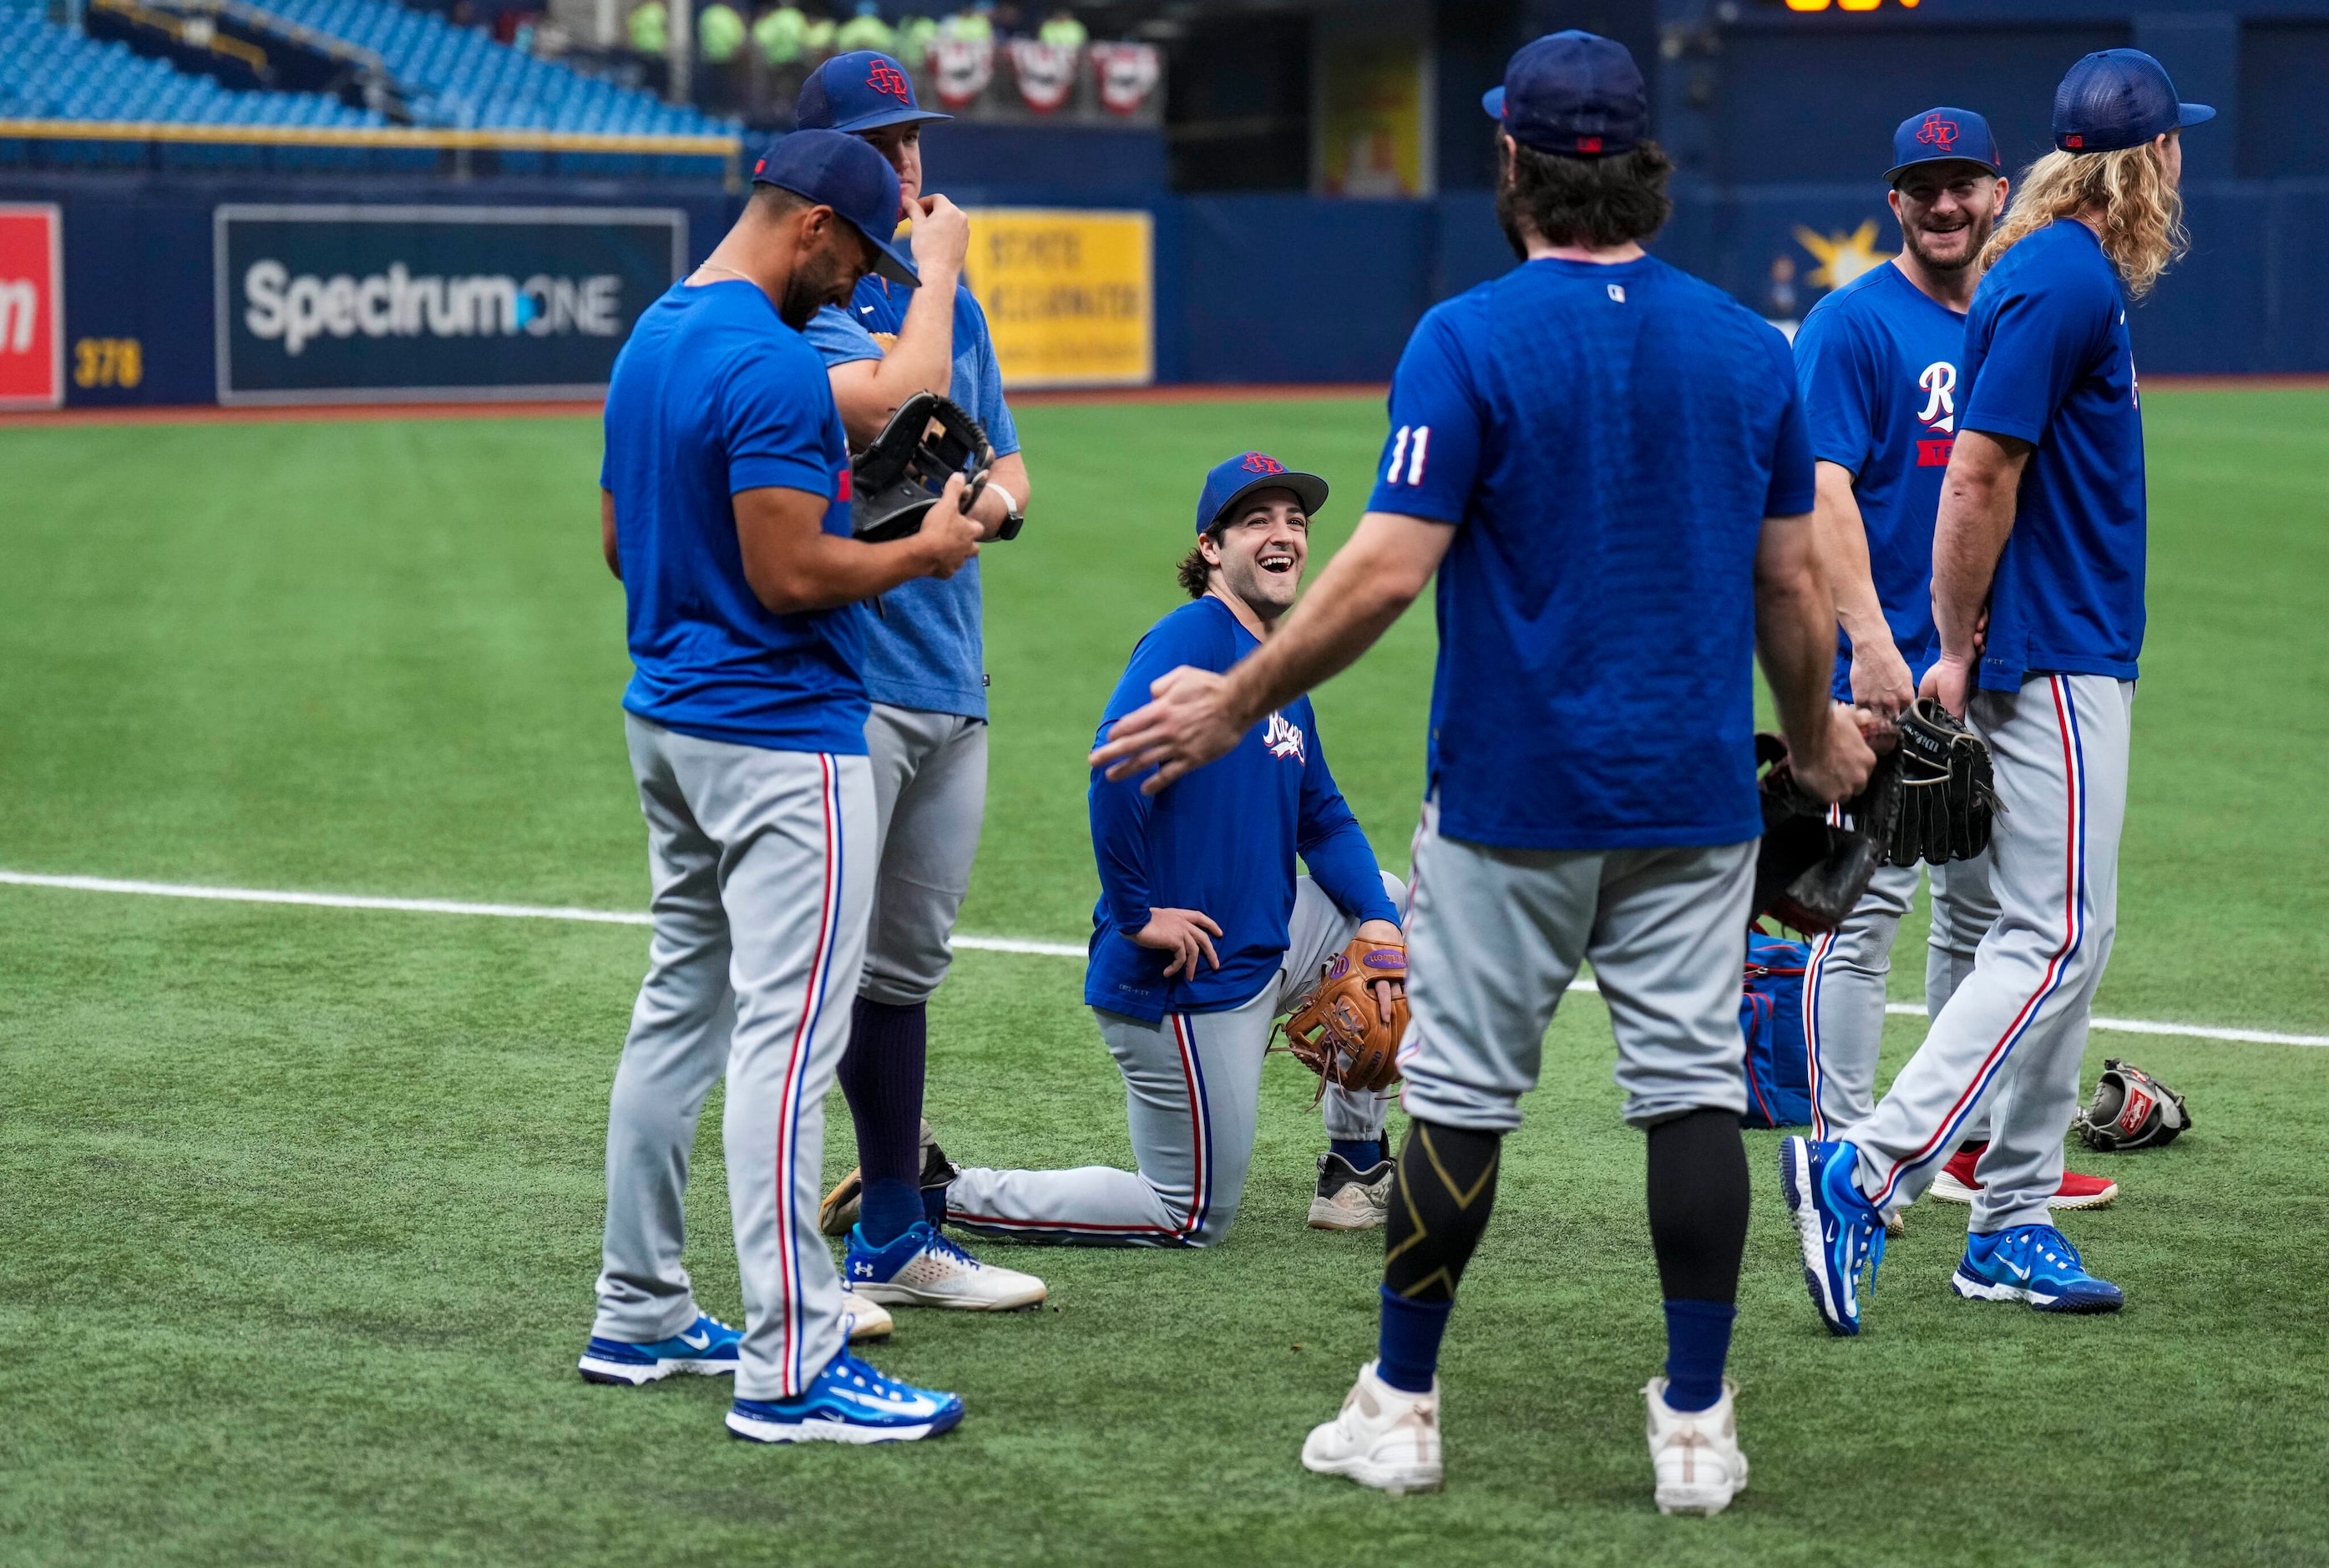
{"points": [[925, 674], [1877, 359], [2041, 527], [1603, 460], [1203, 933]]}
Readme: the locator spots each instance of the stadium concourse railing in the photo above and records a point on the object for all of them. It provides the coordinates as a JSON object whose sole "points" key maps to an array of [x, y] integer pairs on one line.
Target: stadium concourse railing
{"points": [[58, 143]]}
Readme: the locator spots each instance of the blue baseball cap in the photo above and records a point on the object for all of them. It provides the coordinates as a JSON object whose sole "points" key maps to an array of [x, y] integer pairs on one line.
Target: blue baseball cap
{"points": [[861, 90], [849, 177], [1943, 135], [2116, 99], [1574, 93], [1232, 481]]}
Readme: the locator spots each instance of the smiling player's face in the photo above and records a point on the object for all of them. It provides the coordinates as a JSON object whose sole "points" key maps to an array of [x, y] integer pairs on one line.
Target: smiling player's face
{"points": [[1946, 211], [1262, 551]]}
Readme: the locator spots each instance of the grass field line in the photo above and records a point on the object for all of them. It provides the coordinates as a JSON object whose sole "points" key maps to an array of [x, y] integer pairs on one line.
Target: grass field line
{"points": [[1020, 944]]}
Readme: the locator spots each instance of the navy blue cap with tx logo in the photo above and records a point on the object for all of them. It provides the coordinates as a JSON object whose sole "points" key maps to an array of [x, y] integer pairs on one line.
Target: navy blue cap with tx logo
{"points": [[1574, 93], [861, 90], [849, 177], [1943, 135]]}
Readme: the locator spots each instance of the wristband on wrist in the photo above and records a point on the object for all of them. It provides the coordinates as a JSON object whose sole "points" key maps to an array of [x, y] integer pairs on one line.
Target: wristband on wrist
{"points": [[1013, 519]]}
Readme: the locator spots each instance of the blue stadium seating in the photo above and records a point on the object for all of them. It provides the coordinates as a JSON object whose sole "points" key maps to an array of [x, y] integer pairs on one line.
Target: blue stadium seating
{"points": [[455, 78]]}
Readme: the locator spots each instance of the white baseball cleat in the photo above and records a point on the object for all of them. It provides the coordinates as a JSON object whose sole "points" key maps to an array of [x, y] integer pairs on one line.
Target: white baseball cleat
{"points": [[1349, 1199], [1695, 1453], [923, 1268], [868, 1320], [1384, 1438]]}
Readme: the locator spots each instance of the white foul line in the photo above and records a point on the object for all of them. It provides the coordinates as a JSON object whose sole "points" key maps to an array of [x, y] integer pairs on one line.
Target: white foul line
{"points": [[976, 944]]}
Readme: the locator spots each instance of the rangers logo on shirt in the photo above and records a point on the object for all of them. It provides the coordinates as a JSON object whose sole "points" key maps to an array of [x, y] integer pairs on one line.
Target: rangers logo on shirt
{"points": [[1938, 381], [1284, 738]]}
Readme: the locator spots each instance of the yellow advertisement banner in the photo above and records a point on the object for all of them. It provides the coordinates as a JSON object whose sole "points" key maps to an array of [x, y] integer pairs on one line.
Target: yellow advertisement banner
{"points": [[1370, 120], [1070, 295]]}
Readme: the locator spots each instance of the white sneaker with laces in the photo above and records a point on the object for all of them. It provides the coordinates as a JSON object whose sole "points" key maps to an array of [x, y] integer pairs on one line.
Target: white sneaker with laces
{"points": [[1695, 1452], [1349, 1199], [1384, 1438], [924, 1268]]}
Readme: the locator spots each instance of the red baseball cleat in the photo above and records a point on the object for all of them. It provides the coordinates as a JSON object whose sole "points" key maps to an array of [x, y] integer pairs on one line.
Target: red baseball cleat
{"points": [[1955, 1183]]}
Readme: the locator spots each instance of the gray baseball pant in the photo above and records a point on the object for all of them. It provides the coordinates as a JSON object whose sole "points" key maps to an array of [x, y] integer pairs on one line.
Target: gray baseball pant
{"points": [[1844, 984], [1192, 1093], [762, 869], [929, 798], [1497, 935], [2015, 1031]]}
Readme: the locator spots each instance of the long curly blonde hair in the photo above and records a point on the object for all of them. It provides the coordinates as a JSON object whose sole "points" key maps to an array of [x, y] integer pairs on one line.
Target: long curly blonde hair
{"points": [[2124, 194]]}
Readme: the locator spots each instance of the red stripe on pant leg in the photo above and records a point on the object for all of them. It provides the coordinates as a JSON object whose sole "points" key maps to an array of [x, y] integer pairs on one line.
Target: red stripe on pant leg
{"points": [[795, 1377], [1183, 1036], [1821, 945]]}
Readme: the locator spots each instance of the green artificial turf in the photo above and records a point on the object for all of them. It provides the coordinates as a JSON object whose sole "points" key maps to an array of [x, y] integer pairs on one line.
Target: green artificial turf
{"points": [[299, 1208]]}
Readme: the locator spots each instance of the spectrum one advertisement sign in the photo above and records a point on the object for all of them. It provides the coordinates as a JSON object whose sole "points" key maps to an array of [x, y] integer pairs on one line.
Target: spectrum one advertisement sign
{"points": [[32, 306], [349, 304]]}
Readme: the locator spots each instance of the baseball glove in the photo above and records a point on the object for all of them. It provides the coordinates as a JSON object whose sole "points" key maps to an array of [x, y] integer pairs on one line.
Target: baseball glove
{"points": [[1339, 1033], [2131, 1110], [1816, 859], [1946, 794], [895, 481]]}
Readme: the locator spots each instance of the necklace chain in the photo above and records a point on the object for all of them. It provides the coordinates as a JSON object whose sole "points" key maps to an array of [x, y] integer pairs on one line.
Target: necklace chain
{"points": [[716, 266]]}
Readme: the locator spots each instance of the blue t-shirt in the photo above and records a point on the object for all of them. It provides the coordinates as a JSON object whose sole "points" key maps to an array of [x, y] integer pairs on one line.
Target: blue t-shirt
{"points": [[713, 395], [1222, 840], [2047, 359], [1877, 361], [1607, 441], [925, 648]]}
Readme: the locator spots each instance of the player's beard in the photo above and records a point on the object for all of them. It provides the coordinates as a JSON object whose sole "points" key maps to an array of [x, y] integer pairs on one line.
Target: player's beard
{"points": [[1977, 233], [824, 279]]}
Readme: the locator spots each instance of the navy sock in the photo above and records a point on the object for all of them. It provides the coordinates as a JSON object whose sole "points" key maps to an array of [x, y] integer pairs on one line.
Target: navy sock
{"points": [[882, 1076], [888, 1210], [1697, 1342], [1408, 1350], [1363, 1156]]}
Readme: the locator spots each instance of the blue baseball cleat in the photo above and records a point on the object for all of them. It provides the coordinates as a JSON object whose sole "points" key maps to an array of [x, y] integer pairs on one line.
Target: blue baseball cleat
{"points": [[1840, 1231], [2033, 1263], [849, 1402], [923, 1267], [707, 1347]]}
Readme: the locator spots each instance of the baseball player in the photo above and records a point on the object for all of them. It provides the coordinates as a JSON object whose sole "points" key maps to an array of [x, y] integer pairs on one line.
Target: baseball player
{"points": [[2041, 523], [1877, 359], [725, 514], [1605, 462], [925, 674], [1203, 933]]}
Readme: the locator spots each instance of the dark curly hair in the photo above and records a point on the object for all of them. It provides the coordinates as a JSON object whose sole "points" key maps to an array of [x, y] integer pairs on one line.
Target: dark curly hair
{"points": [[1597, 202], [1196, 571]]}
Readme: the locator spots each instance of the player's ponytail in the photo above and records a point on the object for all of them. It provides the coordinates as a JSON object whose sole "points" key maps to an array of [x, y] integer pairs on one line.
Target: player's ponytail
{"points": [[2124, 194]]}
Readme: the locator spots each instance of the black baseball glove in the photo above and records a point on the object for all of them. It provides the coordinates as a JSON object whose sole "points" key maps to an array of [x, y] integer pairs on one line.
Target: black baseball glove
{"points": [[895, 481], [1946, 794], [2131, 1110], [1814, 860]]}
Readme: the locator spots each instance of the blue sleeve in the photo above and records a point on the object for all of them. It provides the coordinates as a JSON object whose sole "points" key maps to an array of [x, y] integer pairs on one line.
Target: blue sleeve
{"points": [[2033, 347], [1433, 452], [776, 418], [1002, 430], [1792, 488], [1331, 842], [1834, 377], [1120, 811], [837, 338]]}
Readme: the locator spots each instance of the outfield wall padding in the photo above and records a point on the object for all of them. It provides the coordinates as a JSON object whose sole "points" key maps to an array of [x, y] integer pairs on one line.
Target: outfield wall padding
{"points": [[1249, 288]]}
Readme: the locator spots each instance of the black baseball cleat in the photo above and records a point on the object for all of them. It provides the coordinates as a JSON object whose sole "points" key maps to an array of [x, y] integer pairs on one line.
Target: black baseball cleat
{"points": [[1349, 1199]]}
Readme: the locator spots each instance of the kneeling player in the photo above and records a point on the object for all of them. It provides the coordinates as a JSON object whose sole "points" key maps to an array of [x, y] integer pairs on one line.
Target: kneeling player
{"points": [[1203, 933]]}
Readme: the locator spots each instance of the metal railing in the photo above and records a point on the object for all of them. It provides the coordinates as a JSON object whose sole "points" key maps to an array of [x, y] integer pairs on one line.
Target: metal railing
{"points": [[728, 149]]}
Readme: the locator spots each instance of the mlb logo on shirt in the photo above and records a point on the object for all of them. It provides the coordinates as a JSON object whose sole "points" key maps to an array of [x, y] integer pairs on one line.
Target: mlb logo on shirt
{"points": [[32, 307]]}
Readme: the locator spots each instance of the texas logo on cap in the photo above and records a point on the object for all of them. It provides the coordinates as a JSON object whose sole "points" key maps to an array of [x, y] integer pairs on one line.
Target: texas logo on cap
{"points": [[1937, 132], [886, 78], [1260, 463]]}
